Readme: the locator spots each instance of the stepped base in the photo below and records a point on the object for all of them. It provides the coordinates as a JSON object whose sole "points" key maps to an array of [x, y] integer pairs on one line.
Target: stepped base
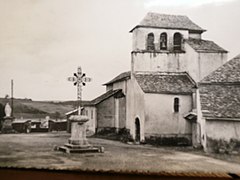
{"points": [[70, 148]]}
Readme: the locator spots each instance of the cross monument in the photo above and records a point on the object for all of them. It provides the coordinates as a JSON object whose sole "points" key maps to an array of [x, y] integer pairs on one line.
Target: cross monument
{"points": [[79, 80], [78, 142]]}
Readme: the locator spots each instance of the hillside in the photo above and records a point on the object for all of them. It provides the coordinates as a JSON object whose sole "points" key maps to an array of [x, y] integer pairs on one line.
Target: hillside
{"points": [[27, 108]]}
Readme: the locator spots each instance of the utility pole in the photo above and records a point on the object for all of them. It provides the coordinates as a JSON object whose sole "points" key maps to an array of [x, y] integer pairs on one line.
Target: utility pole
{"points": [[79, 80], [12, 95]]}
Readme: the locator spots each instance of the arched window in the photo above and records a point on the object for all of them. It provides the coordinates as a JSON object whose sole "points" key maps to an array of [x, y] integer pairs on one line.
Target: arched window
{"points": [[163, 41], [176, 105], [177, 41], [150, 41]]}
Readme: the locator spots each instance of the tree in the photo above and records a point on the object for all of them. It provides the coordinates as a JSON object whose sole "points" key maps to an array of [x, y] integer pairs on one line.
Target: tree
{"points": [[57, 115], [2, 115]]}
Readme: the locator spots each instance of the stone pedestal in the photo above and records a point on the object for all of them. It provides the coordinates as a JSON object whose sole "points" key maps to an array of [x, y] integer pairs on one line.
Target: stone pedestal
{"points": [[78, 142], [7, 125], [7, 120]]}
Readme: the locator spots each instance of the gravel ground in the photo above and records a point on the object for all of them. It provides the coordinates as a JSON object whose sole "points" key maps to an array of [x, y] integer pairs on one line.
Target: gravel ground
{"points": [[37, 150]]}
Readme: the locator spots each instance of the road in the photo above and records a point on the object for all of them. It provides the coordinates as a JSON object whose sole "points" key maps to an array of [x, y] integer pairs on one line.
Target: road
{"points": [[37, 150]]}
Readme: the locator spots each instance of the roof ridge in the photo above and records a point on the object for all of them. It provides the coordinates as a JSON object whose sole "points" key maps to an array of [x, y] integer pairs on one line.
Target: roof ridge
{"points": [[105, 95], [168, 21], [162, 72], [193, 39], [165, 14], [119, 77], [204, 45]]}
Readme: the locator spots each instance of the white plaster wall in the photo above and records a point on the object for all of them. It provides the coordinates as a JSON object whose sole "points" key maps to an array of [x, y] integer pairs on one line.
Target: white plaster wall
{"points": [[147, 61], [210, 62], [109, 87], [139, 37], [201, 130], [120, 85], [198, 65], [195, 35], [220, 129], [135, 107], [160, 116], [91, 124]]}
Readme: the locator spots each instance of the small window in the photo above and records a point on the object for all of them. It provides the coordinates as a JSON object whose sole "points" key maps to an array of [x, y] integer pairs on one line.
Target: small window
{"points": [[86, 112], [150, 42], [91, 114], [177, 41], [163, 41], [176, 105]]}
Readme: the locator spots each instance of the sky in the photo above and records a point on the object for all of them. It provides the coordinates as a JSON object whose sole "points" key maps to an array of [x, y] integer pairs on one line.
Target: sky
{"points": [[42, 42]]}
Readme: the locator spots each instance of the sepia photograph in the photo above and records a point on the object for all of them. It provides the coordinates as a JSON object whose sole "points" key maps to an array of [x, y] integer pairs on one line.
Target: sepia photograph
{"points": [[140, 86]]}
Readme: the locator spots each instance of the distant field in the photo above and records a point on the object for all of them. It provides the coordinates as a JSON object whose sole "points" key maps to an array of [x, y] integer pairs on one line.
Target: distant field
{"points": [[39, 109]]}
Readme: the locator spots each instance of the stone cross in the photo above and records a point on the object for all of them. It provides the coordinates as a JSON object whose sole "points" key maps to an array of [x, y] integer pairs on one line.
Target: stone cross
{"points": [[79, 80]]}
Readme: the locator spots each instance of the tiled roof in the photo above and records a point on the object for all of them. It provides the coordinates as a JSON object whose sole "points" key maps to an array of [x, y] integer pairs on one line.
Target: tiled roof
{"points": [[218, 100], [229, 73], [220, 91], [201, 45], [168, 21], [164, 82], [105, 96], [122, 76]]}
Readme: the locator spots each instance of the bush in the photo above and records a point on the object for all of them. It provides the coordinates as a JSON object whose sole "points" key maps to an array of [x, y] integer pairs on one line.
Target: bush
{"points": [[222, 146], [125, 136]]}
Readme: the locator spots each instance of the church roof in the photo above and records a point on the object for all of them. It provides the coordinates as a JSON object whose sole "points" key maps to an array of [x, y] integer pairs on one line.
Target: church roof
{"points": [[201, 45], [220, 100], [120, 77], [157, 20], [220, 91], [165, 82], [105, 96], [229, 72]]}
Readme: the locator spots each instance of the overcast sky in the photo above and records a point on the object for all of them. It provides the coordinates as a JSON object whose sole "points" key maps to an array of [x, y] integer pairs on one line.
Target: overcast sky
{"points": [[42, 42]]}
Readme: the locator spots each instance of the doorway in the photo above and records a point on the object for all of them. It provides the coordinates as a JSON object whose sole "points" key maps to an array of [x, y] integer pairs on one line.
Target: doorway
{"points": [[137, 130]]}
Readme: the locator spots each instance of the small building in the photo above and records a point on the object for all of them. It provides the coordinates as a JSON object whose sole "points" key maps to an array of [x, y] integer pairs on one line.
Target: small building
{"points": [[220, 104]]}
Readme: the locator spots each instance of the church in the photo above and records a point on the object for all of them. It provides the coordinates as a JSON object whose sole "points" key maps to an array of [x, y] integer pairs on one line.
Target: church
{"points": [[164, 98]]}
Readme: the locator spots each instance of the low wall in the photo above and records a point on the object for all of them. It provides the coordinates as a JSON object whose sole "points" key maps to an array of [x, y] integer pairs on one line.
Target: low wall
{"points": [[169, 139], [223, 136]]}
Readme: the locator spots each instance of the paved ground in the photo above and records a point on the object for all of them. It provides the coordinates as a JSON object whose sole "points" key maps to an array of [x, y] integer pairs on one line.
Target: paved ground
{"points": [[36, 150]]}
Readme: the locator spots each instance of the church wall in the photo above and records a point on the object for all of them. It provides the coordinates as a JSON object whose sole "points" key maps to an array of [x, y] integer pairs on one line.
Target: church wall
{"points": [[135, 107], [191, 63], [161, 120], [150, 61], [195, 35], [222, 134], [91, 114], [120, 85], [198, 65], [105, 114], [109, 87], [122, 112], [210, 62], [140, 37]]}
